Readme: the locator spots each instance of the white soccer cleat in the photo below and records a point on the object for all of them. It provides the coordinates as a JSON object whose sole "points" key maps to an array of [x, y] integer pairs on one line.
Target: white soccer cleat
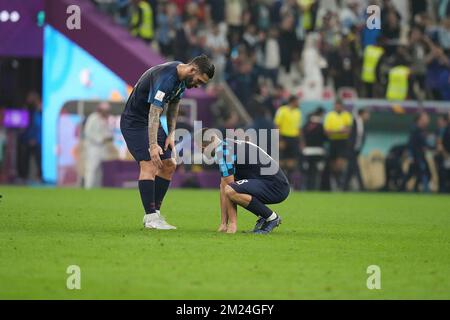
{"points": [[164, 222], [153, 221]]}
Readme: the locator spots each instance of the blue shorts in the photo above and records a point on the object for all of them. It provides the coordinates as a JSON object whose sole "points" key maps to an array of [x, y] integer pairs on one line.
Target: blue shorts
{"points": [[137, 141], [268, 191]]}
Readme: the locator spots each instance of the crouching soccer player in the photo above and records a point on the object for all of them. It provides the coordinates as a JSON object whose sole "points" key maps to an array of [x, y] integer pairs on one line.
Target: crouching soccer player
{"points": [[250, 178]]}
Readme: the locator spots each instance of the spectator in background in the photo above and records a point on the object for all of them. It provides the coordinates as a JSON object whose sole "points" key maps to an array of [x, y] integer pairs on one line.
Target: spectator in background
{"points": [[399, 79], [418, 49], [417, 146], [437, 76], [372, 60], [308, 10], [251, 37], [287, 40], [443, 34], [31, 139], [342, 65], [442, 156], [168, 23], [216, 10], [288, 120], [350, 15], [241, 73], [217, 45], [356, 142], [312, 63], [314, 152], [262, 120], [271, 53], [234, 12], [97, 135], [443, 9], [122, 15], [337, 127], [141, 23], [186, 41], [390, 20], [260, 15]]}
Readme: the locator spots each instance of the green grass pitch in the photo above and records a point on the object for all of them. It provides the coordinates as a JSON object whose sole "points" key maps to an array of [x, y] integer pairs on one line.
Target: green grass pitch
{"points": [[321, 251]]}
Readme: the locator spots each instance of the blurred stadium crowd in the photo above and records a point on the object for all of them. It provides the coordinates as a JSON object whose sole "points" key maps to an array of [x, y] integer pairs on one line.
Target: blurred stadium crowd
{"points": [[303, 46], [273, 54]]}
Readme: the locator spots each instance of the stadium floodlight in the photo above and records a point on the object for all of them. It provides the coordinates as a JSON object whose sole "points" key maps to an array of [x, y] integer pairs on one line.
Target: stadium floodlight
{"points": [[4, 16], [14, 16]]}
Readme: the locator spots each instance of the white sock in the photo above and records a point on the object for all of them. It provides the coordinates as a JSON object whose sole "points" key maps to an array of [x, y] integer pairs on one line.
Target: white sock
{"points": [[153, 214], [272, 217]]}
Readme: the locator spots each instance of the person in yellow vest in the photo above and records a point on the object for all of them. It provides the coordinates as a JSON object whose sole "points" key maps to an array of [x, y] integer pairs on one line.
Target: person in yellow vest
{"points": [[288, 119], [373, 55], [141, 23], [398, 83], [337, 125], [309, 10]]}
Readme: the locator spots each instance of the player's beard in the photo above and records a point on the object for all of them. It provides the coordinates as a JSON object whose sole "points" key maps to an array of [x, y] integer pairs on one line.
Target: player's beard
{"points": [[189, 82]]}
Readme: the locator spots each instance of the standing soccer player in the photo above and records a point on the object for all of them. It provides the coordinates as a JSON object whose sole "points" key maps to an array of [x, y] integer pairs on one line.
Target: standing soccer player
{"points": [[150, 144]]}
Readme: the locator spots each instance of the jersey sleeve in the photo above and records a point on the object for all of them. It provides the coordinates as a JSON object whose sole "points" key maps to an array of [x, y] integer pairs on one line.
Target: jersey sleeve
{"points": [[225, 161], [162, 88]]}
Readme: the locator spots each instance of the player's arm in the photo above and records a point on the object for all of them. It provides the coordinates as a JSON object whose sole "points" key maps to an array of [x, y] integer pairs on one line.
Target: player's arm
{"points": [[153, 126], [229, 206], [172, 115], [223, 210]]}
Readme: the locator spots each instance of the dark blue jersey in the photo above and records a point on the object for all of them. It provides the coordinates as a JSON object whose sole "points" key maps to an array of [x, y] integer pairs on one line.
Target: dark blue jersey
{"points": [[246, 160], [159, 85]]}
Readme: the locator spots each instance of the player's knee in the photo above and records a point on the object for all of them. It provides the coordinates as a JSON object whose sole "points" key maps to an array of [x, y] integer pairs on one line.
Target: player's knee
{"points": [[230, 193], [169, 166], [147, 170]]}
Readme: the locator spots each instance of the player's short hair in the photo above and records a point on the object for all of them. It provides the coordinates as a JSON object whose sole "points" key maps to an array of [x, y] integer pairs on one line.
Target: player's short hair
{"points": [[204, 64]]}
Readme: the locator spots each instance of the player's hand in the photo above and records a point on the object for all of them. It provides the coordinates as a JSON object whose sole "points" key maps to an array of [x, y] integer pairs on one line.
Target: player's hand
{"points": [[222, 228], [170, 142], [155, 154]]}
